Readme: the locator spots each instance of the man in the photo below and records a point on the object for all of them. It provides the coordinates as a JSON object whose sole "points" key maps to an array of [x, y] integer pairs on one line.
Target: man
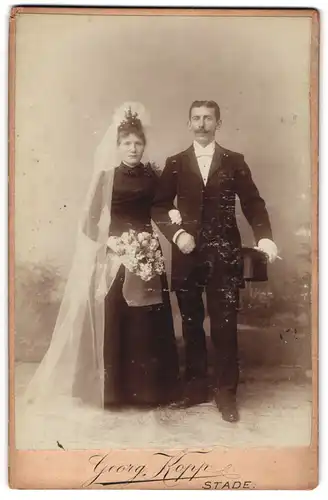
{"points": [[206, 251]]}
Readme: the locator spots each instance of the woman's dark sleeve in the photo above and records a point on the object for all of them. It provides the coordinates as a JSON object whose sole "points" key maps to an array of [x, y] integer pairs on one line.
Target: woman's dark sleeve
{"points": [[166, 192]]}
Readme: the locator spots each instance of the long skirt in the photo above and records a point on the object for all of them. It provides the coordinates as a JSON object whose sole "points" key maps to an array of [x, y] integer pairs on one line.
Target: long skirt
{"points": [[140, 353]]}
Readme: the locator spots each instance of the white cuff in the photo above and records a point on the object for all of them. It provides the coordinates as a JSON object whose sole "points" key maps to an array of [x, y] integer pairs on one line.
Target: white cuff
{"points": [[175, 237]]}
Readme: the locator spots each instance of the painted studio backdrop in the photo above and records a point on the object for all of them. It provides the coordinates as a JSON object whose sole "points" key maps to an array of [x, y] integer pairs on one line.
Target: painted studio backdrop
{"points": [[73, 71]]}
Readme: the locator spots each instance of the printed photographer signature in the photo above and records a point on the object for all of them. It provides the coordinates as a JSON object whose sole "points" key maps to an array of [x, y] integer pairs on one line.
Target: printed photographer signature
{"points": [[170, 469]]}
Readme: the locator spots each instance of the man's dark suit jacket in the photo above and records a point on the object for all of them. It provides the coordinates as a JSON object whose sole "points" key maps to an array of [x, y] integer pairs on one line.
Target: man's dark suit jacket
{"points": [[209, 209]]}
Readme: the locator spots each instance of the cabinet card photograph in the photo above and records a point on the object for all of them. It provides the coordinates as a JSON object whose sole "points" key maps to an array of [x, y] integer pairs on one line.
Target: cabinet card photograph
{"points": [[163, 248]]}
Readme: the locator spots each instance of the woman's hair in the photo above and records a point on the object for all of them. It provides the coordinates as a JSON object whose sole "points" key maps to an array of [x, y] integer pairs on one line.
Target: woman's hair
{"points": [[130, 125], [122, 134]]}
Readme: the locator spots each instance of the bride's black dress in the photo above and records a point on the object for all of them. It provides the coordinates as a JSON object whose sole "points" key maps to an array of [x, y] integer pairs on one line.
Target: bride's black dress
{"points": [[140, 354]]}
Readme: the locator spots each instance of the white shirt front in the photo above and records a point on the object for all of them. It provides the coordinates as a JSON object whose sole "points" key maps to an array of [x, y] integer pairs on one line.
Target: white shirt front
{"points": [[204, 157]]}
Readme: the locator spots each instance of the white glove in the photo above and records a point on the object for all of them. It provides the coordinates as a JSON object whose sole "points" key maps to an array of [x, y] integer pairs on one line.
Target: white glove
{"points": [[175, 216], [112, 243], [269, 248], [186, 242]]}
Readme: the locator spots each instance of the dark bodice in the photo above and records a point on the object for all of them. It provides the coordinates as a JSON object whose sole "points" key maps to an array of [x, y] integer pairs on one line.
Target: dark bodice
{"points": [[133, 193]]}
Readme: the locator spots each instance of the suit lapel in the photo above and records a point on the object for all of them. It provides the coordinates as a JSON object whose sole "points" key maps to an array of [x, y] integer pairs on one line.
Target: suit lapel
{"points": [[192, 163], [215, 165], [216, 161]]}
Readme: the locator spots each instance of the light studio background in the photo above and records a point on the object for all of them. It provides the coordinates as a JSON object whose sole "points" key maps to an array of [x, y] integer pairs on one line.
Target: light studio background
{"points": [[71, 73]]}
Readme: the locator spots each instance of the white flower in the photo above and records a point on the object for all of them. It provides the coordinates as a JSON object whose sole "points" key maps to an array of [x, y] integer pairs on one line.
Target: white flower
{"points": [[153, 245], [144, 236], [146, 272], [130, 263], [139, 256], [175, 216], [134, 246], [159, 267], [125, 238]]}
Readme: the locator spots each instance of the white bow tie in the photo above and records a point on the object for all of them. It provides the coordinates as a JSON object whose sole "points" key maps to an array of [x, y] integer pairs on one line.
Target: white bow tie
{"points": [[208, 151], [204, 155]]}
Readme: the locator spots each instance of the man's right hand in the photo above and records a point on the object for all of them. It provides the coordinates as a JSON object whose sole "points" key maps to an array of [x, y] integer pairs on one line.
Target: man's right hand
{"points": [[186, 242]]}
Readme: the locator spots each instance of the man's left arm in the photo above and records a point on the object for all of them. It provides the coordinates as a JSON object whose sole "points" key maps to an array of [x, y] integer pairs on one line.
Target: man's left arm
{"points": [[254, 209]]}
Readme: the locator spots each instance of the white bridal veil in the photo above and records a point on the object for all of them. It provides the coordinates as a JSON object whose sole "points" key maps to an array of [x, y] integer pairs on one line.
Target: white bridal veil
{"points": [[73, 365]]}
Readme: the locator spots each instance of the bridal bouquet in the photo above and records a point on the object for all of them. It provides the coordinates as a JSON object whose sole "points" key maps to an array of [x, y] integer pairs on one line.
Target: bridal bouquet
{"points": [[139, 252]]}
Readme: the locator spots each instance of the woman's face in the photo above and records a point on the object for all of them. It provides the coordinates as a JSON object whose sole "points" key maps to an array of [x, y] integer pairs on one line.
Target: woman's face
{"points": [[131, 149]]}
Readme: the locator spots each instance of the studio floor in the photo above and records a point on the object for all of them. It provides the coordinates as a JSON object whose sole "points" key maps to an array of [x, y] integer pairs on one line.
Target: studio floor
{"points": [[273, 413]]}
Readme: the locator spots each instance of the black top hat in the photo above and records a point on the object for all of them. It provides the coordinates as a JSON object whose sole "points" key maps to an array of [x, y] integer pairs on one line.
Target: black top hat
{"points": [[255, 265]]}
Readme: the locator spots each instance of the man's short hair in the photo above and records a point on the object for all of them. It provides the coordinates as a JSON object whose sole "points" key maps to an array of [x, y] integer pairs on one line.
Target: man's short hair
{"points": [[208, 104]]}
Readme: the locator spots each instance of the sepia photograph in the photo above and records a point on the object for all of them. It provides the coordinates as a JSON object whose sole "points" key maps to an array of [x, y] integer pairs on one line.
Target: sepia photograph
{"points": [[163, 244]]}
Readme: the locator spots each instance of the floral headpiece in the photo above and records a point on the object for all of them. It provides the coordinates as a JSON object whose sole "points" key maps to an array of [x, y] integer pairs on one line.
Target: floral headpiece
{"points": [[130, 120]]}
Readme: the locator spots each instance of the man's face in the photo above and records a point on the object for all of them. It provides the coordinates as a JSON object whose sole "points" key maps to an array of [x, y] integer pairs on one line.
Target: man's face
{"points": [[203, 124]]}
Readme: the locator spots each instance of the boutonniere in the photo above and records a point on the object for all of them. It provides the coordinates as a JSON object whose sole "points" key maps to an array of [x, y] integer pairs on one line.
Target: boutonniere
{"points": [[153, 167]]}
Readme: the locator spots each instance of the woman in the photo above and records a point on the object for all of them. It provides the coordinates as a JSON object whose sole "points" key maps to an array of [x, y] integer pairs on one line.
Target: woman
{"points": [[114, 339], [140, 358]]}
